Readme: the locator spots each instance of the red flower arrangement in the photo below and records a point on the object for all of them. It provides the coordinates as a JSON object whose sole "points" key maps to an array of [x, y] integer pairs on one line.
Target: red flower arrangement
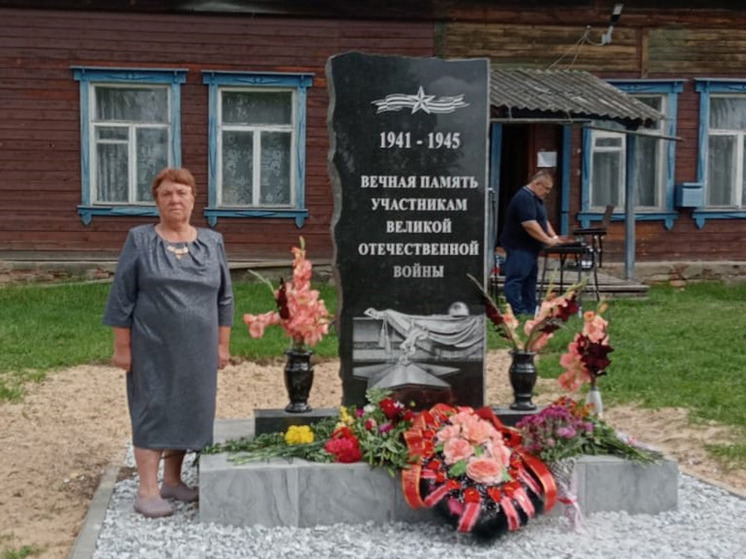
{"points": [[373, 433], [344, 445], [473, 470]]}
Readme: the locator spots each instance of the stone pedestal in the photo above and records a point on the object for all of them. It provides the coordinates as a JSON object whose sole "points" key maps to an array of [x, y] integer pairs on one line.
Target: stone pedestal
{"points": [[277, 420], [295, 492]]}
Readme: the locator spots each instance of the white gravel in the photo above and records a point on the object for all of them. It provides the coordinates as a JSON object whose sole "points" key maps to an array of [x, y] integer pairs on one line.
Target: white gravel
{"points": [[710, 523]]}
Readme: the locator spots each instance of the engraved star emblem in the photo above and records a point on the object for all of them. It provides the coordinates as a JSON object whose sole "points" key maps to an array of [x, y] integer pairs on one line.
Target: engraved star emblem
{"points": [[421, 101]]}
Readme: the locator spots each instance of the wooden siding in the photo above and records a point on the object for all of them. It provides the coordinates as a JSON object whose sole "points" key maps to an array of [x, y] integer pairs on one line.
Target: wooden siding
{"points": [[39, 121], [40, 127], [656, 44]]}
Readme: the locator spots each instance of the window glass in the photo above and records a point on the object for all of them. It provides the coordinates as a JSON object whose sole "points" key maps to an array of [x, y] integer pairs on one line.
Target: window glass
{"points": [[275, 181], [721, 161], [607, 178], [728, 113], [120, 133], [257, 108], [132, 104], [238, 168], [112, 172], [609, 141], [647, 163], [152, 156]]}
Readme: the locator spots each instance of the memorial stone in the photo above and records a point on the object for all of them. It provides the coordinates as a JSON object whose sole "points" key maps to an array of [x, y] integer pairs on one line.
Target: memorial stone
{"points": [[408, 166]]}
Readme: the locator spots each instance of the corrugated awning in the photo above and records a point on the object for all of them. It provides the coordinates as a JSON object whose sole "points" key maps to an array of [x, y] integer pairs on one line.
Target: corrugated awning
{"points": [[566, 95]]}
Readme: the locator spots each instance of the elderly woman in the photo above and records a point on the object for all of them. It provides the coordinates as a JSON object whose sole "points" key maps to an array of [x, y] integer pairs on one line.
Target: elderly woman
{"points": [[171, 309]]}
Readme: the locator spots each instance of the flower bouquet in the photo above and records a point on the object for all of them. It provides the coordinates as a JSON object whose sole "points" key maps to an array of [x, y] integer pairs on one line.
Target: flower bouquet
{"points": [[563, 431], [373, 433], [304, 318], [473, 471], [587, 356], [553, 312], [300, 312]]}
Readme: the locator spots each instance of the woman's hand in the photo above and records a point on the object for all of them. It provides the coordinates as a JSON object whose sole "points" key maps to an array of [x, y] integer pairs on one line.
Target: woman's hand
{"points": [[224, 356], [122, 348], [122, 358], [224, 345]]}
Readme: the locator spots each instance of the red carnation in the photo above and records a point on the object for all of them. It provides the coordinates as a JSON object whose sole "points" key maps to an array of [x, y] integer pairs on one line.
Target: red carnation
{"points": [[344, 449], [390, 408]]}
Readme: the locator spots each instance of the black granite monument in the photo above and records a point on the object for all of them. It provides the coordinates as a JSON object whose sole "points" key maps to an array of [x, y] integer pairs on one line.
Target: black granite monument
{"points": [[408, 164]]}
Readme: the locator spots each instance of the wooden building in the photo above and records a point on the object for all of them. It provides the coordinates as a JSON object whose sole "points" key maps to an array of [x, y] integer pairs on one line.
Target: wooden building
{"points": [[96, 95]]}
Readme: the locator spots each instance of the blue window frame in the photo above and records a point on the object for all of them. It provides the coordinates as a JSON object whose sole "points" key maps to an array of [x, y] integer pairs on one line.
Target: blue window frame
{"points": [[257, 128], [604, 155], [130, 128], [721, 166]]}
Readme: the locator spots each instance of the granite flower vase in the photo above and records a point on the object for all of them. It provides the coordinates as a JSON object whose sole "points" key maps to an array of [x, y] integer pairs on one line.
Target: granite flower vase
{"points": [[298, 379], [522, 374]]}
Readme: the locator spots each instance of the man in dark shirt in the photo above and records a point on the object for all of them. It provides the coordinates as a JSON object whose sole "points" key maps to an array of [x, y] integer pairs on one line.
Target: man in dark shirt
{"points": [[525, 233]]}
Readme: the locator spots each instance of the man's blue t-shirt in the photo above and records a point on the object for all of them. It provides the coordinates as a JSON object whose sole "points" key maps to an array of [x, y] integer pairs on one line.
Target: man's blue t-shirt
{"points": [[524, 206]]}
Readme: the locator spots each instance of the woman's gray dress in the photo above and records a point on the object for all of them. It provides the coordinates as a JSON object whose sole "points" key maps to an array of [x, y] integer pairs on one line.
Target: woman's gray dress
{"points": [[173, 307]]}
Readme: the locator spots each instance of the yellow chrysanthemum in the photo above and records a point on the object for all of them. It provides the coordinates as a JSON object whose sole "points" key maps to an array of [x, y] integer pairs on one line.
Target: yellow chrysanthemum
{"points": [[345, 416], [299, 434]]}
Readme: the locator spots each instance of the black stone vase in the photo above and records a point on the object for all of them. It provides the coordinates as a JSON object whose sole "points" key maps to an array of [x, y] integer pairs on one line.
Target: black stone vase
{"points": [[298, 379], [523, 377]]}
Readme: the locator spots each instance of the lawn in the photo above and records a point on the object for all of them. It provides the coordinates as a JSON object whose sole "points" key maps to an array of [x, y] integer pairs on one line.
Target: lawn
{"points": [[679, 347]]}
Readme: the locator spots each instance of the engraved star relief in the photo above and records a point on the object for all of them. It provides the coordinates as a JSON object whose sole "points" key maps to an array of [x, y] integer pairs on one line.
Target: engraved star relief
{"points": [[421, 101]]}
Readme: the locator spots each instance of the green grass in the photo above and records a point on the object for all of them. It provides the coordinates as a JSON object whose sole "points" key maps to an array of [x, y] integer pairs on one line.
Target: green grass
{"points": [[679, 347], [44, 328]]}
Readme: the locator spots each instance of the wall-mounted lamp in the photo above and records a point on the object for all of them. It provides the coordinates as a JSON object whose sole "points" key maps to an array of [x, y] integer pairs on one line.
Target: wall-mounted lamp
{"points": [[615, 13]]}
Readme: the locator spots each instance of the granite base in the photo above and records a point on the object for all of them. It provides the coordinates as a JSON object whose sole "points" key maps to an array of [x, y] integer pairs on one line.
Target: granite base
{"points": [[298, 493]]}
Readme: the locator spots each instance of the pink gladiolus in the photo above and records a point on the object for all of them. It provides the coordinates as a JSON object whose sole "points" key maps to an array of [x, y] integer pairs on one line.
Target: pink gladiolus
{"points": [[456, 449], [304, 318], [594, 326]]}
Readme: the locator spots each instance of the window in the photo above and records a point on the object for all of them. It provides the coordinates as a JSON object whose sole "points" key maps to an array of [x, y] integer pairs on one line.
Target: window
{"points": [[605, 156], [130, 129], [722, 133], [609, 162], [257, 145], [725, 152]]}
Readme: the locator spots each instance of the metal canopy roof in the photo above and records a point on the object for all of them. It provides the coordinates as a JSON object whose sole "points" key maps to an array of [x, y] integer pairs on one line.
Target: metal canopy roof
{"points": [[566, 95]]}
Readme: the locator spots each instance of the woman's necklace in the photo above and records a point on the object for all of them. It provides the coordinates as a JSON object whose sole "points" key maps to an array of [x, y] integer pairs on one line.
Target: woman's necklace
{"points": [[178, 252], [177, 248]]}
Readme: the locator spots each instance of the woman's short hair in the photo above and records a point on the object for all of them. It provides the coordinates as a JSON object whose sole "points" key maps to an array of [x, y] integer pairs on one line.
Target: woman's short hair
{"points": [[181, 176]]}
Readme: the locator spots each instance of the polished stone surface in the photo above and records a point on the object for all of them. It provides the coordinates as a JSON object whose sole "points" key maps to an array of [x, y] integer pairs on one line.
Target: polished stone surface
{"points": [[408, 168], [276, 420]]}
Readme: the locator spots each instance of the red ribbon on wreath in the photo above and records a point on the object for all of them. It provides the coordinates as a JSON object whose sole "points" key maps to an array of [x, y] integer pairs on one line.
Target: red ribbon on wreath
{"points": [[467, 502]]}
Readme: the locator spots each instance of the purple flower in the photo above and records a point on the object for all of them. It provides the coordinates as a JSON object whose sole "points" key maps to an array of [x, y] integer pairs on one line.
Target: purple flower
{"points": [[385, 428], [566, 432]]}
